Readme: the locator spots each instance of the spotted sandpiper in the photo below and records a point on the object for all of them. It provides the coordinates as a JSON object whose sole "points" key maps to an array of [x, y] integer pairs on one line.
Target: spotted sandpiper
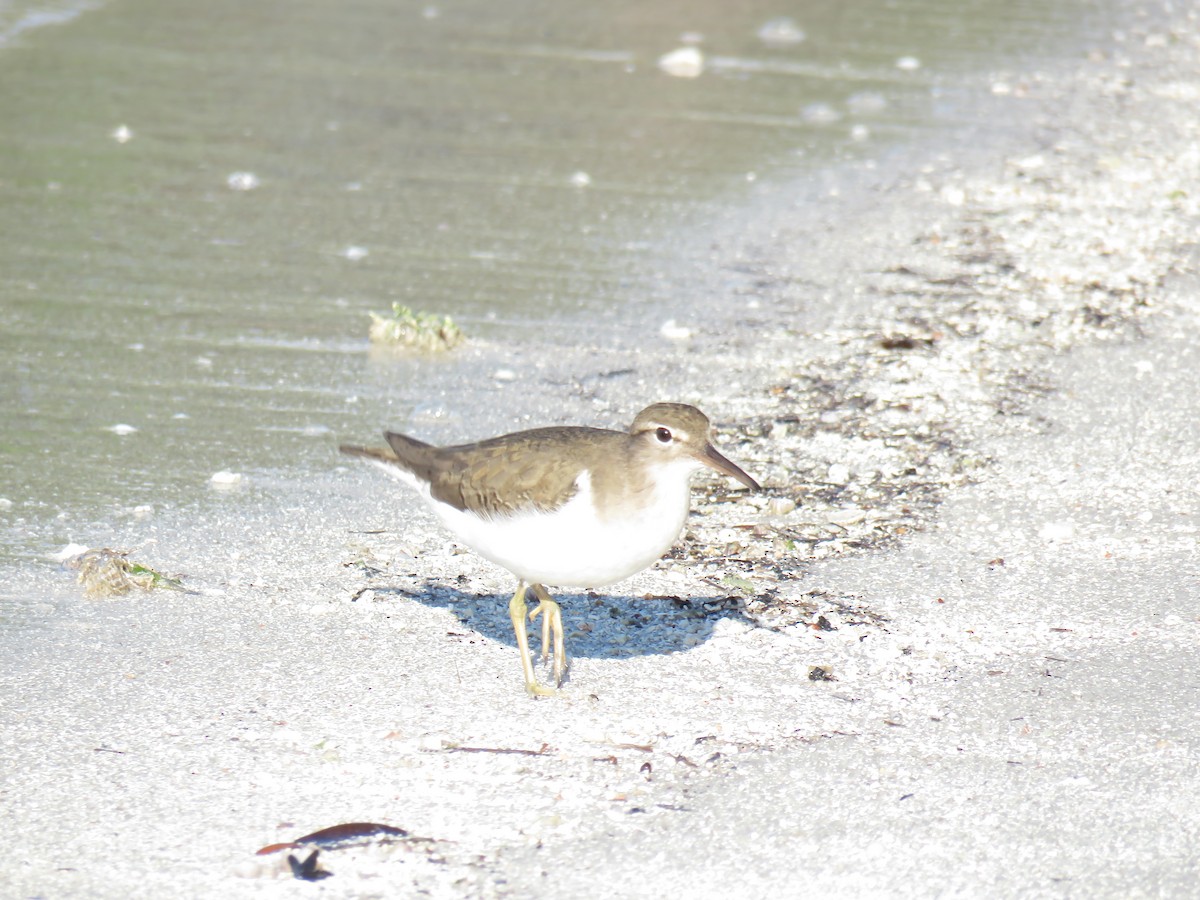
{"points": [[567, 506]]}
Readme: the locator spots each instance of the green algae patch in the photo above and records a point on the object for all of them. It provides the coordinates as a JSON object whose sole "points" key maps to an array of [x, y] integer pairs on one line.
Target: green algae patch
{"points": [[110, 573], [409, 329]]}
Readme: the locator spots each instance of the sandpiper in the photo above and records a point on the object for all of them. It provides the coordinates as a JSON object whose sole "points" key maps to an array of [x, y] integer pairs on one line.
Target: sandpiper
{"points": [[566, 506]]}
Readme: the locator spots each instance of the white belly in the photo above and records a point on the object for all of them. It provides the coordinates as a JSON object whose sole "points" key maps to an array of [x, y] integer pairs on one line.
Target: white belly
{"points": [[574, 546]]}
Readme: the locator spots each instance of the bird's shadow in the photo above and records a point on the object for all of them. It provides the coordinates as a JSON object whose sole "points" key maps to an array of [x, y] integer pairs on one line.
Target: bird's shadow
{"points": [[597, 625]]}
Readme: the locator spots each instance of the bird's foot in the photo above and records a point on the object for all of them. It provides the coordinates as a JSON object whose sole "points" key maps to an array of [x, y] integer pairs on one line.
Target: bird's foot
{"points": [[535, 690]]}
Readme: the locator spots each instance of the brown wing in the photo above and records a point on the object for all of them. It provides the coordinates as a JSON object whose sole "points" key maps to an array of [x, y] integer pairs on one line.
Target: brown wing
{"points": [[532, 470]]}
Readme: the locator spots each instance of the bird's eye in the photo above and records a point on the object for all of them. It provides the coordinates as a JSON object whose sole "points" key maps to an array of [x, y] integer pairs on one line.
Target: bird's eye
{"points": [[663, 435]]}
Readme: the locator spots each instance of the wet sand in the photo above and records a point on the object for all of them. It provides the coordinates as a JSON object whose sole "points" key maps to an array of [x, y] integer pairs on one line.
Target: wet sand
{"points": [[982, 398]]}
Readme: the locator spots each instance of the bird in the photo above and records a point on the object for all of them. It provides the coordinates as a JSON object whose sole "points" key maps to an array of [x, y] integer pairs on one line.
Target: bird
{"points": [[567, 506]]}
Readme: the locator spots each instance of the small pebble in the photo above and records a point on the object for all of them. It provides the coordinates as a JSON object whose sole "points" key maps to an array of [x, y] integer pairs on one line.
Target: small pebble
{"points": [[780, 506], [838, 473], [225, 479], [686, 62], [69, 551], [954, 195], [672, 331], [781, 32], [242, 181], [847, 516]]}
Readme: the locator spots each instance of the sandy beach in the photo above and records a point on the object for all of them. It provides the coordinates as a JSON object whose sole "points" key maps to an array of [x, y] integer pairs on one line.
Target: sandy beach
{"points": [[953, 649]]}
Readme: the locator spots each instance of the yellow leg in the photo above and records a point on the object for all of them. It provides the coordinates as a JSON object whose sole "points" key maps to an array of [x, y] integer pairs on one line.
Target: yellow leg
{"points": [[551, 624], [546, 619], [516, 611]]}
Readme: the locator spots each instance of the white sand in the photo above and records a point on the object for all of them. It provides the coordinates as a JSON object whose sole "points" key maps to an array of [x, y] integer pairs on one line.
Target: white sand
{"points": [[1015, 640]]}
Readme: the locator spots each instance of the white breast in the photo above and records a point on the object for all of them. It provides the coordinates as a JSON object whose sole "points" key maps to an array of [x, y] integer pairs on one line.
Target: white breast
{"points": [[574, 546]]}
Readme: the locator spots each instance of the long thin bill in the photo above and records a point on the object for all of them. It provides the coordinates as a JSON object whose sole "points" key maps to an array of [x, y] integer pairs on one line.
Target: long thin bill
{"points": [[713, 459]]}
